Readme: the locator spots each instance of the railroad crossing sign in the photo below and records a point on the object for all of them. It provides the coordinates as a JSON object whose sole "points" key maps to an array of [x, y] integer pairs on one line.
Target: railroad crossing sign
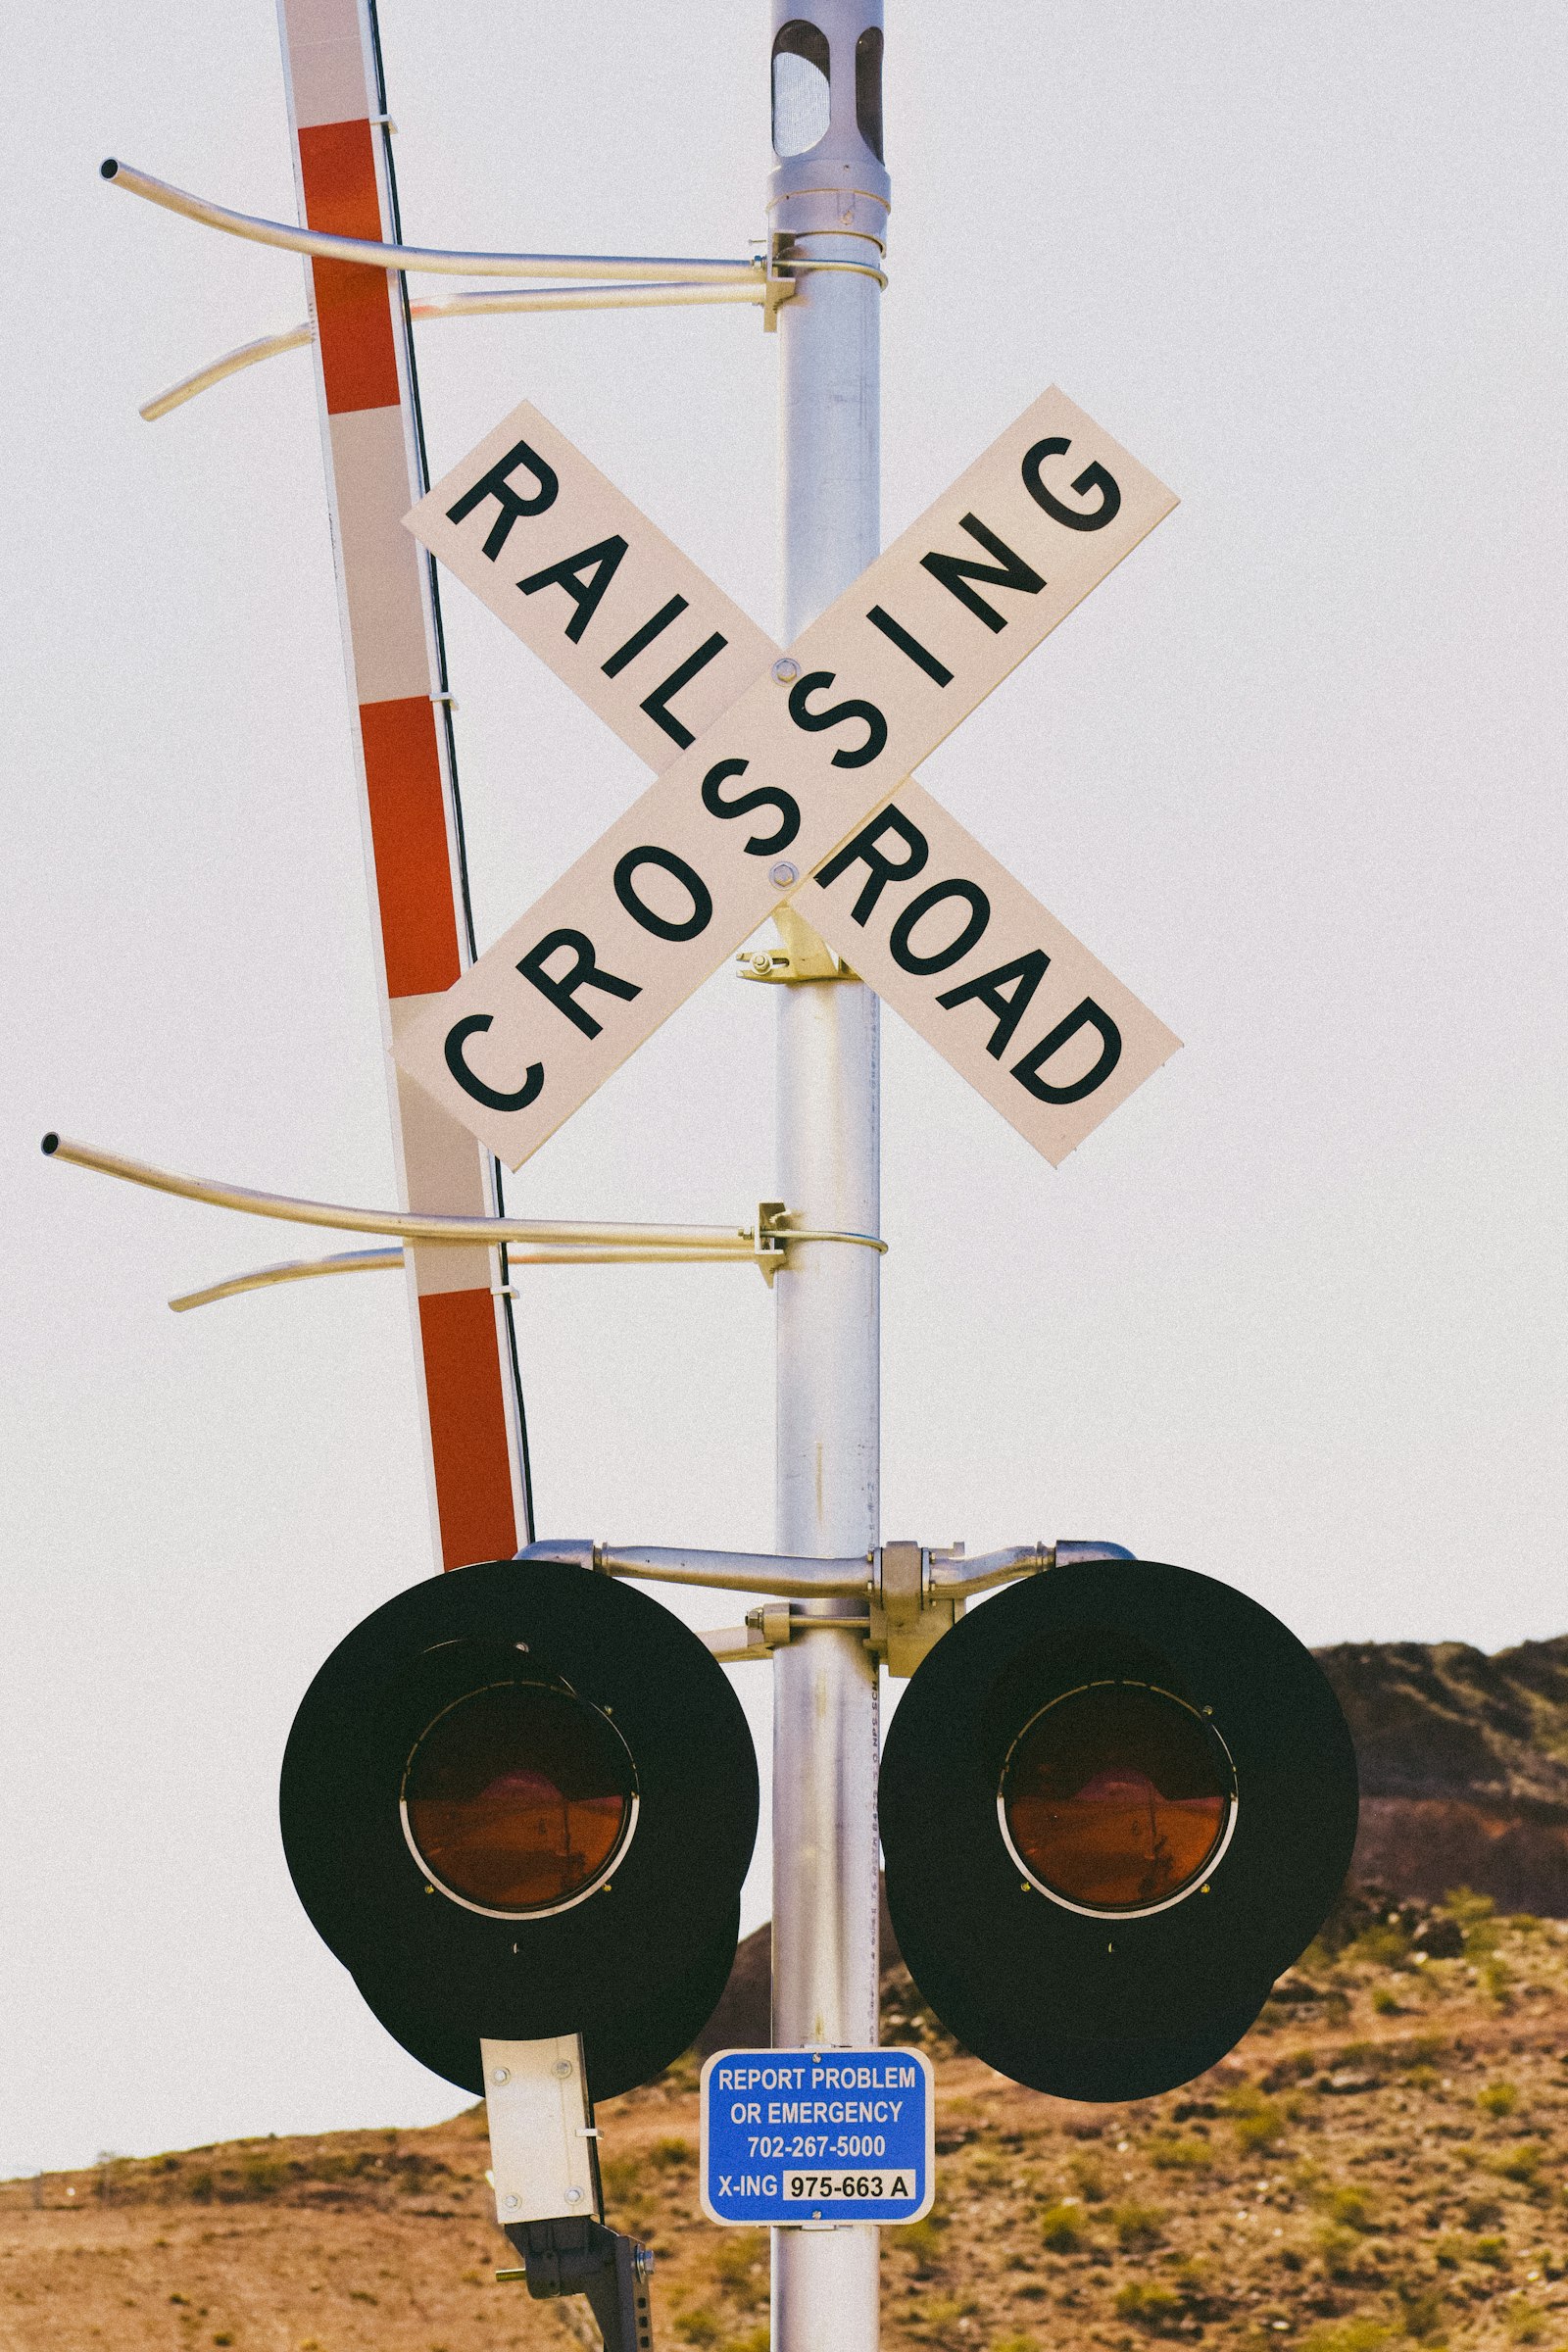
{"points": [[818, 2135], [787, 773]]}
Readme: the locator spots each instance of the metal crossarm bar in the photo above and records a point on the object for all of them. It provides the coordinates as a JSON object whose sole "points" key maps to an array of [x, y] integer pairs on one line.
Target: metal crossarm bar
{"points": [[635, 297], [792, 1578], [943, 1575], [299, 1269], [377, 1261], [368, 250], [728, 1241]]}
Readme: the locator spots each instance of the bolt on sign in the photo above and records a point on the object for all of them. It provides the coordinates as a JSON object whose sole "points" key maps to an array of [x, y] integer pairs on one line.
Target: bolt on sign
{"points": [[788, 773]]}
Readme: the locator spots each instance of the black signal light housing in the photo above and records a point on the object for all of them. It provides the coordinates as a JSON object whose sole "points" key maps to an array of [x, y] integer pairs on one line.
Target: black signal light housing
{"points": [[1116, 1802], [520, 1799]]}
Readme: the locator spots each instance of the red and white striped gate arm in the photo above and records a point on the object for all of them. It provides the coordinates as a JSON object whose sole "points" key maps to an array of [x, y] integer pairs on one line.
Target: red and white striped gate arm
{"points": [[474, 1441]]}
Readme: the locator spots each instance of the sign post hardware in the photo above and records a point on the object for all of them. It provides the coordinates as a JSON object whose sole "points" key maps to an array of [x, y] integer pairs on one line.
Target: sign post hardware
{"points": [[501, 1803]]}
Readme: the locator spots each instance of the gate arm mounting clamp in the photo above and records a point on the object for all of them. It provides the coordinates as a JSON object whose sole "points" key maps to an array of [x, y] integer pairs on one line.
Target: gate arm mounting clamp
{"points": [[568, 2257]]}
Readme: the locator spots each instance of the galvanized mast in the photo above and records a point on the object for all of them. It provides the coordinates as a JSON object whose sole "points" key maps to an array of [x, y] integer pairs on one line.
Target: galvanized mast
{"points": [[828, 203]]}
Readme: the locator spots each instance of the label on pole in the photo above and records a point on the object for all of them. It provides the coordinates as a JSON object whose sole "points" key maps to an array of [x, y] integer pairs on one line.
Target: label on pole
{"points": [[770, 788], [818, 2135]]}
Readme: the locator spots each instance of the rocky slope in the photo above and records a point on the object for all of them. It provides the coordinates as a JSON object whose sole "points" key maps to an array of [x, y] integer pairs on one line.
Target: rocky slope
{"points": [[1464, 1767]]}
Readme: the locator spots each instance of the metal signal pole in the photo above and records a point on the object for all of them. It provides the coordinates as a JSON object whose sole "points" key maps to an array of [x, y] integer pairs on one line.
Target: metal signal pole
{"points": [[828, 203]]}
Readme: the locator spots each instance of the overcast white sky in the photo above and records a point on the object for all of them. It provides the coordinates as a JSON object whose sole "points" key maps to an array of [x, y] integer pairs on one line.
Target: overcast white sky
{"points": [[1293, 1316]]}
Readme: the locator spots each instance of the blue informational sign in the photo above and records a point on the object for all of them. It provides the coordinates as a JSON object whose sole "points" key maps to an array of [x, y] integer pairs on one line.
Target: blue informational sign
{"points": [[818, 2135]]}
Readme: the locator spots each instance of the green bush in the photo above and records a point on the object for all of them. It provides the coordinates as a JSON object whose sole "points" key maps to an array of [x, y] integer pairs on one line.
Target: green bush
{"points": [[1175, 2155], [1351, 2207], [922, 2238], [1061, 2227], [1494, 2251], [1136, 2225], [1257, 2122], [1338, 2250], [1525, 2321], [1420, 2309], [740, 2266], [1147, 2303], [1088, 2178], [1351, 2335], [1382, 1945]]}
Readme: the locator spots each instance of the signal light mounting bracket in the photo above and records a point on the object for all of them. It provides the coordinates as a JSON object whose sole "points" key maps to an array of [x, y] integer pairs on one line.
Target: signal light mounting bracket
{"points": [[545, 2171], [908, 1617]]}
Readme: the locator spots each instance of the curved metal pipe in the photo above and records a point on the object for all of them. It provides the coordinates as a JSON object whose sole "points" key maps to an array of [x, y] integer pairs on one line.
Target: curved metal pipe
{"points": [[723, 1241], [792, 1579], [372, 255], [459, 305], [298, 1270], [372, 1261], [955, 1580]]}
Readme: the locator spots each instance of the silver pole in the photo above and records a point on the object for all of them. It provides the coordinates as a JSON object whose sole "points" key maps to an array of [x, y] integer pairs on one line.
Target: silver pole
{"points": [[829, 198]]}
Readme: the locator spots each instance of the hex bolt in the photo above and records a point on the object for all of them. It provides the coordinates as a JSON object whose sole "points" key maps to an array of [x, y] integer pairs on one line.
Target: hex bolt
{"points": [[562, 2069], [511, 2203], [787, 671], [502, 2074], [783, 874], [575, 2196], [642, 2261]]}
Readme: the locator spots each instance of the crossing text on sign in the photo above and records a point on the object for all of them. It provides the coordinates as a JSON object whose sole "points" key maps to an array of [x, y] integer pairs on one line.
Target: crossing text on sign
{"points": [[788, 774]]}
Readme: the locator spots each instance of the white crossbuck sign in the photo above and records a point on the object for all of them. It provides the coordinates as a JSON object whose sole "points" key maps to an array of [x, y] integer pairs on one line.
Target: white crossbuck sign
{"points": [[787, 776]]}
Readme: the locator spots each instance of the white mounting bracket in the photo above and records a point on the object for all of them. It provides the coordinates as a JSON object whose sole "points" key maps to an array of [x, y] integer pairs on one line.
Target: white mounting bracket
{"points": [[544, 2163]]}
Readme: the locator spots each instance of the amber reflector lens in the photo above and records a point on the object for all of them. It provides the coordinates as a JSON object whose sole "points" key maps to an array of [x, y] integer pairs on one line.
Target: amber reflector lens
{"points": [[517, 1797], [1116, 1797]]}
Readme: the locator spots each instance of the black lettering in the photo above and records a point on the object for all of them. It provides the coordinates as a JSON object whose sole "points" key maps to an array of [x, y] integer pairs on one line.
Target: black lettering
{"points": [[880, 870], [457, 1037], [1006, 992], [920, 655], [1093, 477], [876, 726], [601, 563], [658, 702], [764, 796], [1008, 571], [696, 888], [640, 639], [586, 973], [513, 507], [899, 938], [1085, 1016]]}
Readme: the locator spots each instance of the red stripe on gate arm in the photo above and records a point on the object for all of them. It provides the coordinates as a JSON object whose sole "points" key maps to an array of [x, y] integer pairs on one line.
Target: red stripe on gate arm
{"points": [[467, 1427], [352, 313], [408, 836]]}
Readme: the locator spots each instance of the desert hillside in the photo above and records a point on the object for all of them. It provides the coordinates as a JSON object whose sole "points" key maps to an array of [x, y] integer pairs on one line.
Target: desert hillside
{"points": [[1382, 2162], [1464, 1767]]}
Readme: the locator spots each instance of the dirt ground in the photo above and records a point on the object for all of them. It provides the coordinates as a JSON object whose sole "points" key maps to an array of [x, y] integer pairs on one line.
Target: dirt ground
{"points": [[1384, 2158]]}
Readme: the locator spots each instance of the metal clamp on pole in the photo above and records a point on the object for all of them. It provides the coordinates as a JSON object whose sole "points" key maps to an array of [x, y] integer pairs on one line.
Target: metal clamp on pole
{"points": [[908, 1617]]}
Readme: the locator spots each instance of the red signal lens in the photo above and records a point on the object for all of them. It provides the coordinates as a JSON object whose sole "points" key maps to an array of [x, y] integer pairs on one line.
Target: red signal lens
{"points": [[1117, 1798], [519, 1797]]}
